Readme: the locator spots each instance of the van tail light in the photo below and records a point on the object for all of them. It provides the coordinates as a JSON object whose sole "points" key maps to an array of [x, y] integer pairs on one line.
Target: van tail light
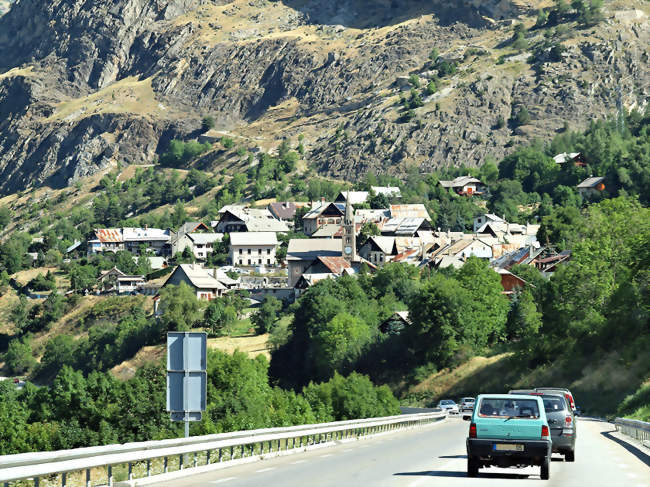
{"points": [[569, 399], [568, 420], [545, 433], [472, 430]]}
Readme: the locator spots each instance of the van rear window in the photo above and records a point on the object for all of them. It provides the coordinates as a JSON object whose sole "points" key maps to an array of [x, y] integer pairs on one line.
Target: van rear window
{"points": [[509, 408], [553, 404]]}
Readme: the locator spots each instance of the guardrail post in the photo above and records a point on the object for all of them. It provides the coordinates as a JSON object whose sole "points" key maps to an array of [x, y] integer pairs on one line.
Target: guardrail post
{"points": [[195, 459], [148, 467], [36, 482], [88, 483], [165, 464], [130, 471], [207, 457], [220, 455], [109, 473], [64, 479]]}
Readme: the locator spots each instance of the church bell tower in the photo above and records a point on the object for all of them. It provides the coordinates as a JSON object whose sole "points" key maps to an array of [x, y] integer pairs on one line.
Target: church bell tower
{"points": [[349, 233]]}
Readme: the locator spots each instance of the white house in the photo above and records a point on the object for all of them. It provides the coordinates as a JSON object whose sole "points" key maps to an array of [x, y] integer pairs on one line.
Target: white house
{"points": [[202, 281], [481, 220], [203, 244], [236, 218], [253, 248], [464, 185]]}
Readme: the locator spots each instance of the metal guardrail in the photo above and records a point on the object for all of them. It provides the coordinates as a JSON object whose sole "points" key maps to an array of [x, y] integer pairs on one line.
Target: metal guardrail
{"points": [[639, 430], [137, 460]]}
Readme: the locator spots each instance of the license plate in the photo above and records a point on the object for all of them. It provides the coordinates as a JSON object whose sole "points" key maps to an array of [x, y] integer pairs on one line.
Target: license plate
{"points": [[508, 447]]}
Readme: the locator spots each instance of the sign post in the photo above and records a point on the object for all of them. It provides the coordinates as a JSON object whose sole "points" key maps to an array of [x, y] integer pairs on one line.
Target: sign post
{"points": [[186, 376]]}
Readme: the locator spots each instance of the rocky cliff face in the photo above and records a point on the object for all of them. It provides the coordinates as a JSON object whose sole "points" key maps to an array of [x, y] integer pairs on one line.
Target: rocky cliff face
{"points": [[86, 83]]}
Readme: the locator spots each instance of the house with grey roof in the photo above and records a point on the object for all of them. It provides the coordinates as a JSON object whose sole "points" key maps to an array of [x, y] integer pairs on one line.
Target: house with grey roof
{"points": [[201, 280], [464, 185], [302, 253], [591, 186], [323, 213], [236, 218]]}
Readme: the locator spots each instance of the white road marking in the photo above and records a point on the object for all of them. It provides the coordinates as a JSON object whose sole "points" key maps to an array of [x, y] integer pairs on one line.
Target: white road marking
{"points": [[325, 456], [265, 470], [622, 465], [221, 481], [631, 475], [348, 450], [298, 461]]}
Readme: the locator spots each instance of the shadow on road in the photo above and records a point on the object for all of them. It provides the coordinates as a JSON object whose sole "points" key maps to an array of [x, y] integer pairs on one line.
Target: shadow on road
{"points": [[444, 473], [641, 455], [453, 456]]}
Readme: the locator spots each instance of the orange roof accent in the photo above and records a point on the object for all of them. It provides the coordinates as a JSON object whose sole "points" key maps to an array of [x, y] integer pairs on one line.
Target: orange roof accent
{"points": [[109, 234], [336, 265]]}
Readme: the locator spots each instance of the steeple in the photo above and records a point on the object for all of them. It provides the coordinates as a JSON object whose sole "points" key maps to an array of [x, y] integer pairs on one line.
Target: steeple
{"points": [[349, 234]]}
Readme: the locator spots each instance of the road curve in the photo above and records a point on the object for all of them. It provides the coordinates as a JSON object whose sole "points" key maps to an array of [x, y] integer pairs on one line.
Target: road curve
{"points": [[434, 456]]}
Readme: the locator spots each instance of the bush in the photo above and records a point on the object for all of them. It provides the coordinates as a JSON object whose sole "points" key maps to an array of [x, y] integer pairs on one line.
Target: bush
{"points": [[227, 142], [19, 357], [637, 405], [522, 117], [207, 123]]}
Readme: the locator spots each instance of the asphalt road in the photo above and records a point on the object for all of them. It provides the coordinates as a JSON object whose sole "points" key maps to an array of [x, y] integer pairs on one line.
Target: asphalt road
{"points": [[435, 456]]}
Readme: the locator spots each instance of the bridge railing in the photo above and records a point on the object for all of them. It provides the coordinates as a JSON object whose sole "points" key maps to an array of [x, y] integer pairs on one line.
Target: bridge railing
{"points": [[111, 463], [639, 430]]}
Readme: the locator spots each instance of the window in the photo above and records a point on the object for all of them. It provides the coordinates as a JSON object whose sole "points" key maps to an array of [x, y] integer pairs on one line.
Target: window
{"points": [[249, 251], [268, 261], [260, 262], [268, 251], [519, 408], [241, 251], [249, 262]]}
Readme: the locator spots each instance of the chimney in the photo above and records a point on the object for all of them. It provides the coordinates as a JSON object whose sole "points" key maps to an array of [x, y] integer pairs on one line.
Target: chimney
{"points": [[146, 227], [322, 199]]}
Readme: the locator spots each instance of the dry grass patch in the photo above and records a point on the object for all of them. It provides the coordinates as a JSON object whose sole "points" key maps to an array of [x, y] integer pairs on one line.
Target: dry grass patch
{"points": [[146, 355], [252, 345]]}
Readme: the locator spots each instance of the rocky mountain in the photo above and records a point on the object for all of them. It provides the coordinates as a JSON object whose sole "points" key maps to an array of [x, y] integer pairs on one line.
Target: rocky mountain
{"points": [[85, 84]]}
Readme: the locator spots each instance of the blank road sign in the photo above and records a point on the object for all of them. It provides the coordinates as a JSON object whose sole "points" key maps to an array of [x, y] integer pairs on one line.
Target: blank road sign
{"points": [[186, 374], [194, 347]]}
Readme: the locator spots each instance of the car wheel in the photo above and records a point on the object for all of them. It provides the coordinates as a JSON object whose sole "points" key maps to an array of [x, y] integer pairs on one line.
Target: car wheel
{"points": [[570, 456], [472, 467], [546, 467]]}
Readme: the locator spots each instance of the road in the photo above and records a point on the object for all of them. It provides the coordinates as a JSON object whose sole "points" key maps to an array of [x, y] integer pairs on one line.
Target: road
{"points": [[433, 456]]}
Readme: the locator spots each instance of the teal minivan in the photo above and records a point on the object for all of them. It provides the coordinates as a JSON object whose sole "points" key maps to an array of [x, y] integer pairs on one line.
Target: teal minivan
{"points": [[508, 430]]}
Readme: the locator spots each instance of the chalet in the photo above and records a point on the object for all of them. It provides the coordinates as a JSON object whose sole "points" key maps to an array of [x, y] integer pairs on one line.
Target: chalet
{"points": [[510, 282], [179, 240], [325, 268], [395, 323], [106, 240], [203, 244], [464, 185], [576, 158], [130, 239], [284, 211], [356, 197], [323, 213], [302, 253], [591, 186], [116, 281], [481, 220], [371, 216], [253, 248], [234, 218], [202, 281], [378, 249]]}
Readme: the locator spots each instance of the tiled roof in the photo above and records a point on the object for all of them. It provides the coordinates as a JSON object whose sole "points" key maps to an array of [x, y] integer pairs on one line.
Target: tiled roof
{"points": [[109, 235], [205, 238], [283, 210], [336, 265], [200, 277], [305, 249], [145, 234], [409, 211]]}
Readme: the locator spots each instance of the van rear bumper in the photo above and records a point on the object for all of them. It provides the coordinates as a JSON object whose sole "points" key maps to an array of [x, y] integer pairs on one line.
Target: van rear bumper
{"points": [[485, 447]]}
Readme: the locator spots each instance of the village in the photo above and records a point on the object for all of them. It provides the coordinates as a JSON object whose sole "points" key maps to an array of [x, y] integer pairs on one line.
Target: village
{"points": [[344, 236]]}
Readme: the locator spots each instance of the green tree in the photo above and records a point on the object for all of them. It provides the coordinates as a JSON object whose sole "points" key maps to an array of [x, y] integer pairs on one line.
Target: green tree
{"points": [[522, 117], [5, 216], [179, 307], [82, 277], [19, 358], [267, 315], [524, 320], [487, 310], [207, 123], [219, 316]]}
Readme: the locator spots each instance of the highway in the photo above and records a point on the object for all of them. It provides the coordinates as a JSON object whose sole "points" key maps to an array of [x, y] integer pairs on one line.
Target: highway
{"points": [[435, 456]]}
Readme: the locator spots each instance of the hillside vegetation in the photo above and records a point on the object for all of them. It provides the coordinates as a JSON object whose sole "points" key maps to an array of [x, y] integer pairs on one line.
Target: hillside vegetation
{"points": [[415, 84]]}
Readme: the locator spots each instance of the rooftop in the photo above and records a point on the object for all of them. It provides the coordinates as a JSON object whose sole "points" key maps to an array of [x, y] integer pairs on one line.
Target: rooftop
{"points": [[205, 238], [591, 182], [459, 182], [253, 238], [416, 210], [304, 249]]}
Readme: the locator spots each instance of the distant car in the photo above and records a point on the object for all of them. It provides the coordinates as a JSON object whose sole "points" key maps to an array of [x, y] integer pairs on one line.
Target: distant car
{"points": [[560, 390], [467, 404], [509, 431], [562, 422], [448, 405]]}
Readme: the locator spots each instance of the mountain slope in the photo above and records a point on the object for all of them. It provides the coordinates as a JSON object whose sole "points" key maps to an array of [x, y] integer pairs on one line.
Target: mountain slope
{"points": [[84, 85]]}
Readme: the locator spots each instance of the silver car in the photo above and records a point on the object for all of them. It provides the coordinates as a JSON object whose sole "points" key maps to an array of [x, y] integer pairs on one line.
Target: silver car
{"points": [[448, 405]]}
